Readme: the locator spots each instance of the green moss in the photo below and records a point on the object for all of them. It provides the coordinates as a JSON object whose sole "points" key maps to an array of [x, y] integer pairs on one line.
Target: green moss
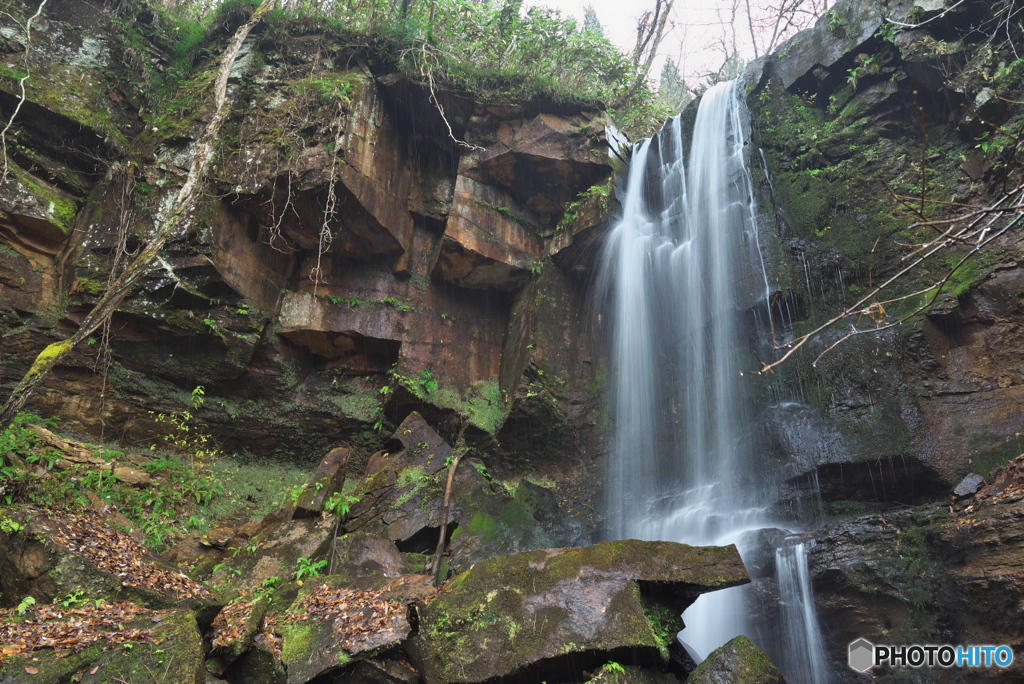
{"points": [[297, 640], [483, 402], [60, 210], [90, 286], [330, 88], [177, 657], [494, 602], [186, 320], [482, 524], [972, 271], [49, 356], [665, 623], [593, 205], [417, 479]]}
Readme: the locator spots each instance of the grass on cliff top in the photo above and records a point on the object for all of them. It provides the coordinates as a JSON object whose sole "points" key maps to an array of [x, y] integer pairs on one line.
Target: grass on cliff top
{"points": [[186, 497], [494, 49]]}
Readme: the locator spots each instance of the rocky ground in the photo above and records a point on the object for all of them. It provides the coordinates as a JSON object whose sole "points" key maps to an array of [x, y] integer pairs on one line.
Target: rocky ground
{"points": [[337, 586]]}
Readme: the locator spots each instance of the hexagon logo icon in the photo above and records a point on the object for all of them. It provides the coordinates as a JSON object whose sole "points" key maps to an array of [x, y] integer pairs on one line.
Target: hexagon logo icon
{"points": [[862, 655]]}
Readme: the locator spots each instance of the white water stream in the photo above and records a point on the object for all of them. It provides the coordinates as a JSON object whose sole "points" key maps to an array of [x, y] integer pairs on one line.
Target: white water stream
{"points": [[680, 271]]}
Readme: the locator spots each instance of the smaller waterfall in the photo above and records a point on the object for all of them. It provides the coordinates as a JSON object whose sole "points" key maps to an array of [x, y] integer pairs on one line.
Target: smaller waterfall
{"points": [[803, 651]]}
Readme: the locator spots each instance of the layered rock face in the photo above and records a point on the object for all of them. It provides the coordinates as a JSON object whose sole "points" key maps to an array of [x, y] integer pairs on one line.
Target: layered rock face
{"points": [[842, 112], [882, 97], [368, 246]]}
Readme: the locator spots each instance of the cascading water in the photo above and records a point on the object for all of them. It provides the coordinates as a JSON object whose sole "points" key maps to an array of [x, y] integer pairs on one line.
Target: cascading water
{"points": [[679, 271], [802, 651]]}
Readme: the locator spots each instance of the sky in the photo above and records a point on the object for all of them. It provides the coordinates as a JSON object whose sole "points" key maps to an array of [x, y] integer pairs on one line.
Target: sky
{"points": [[695, 27]]}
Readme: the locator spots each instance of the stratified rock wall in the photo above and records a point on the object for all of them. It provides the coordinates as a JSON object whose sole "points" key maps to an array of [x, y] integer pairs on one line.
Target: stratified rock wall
{"points": [[882, 99], [360, 255], [842, 113]]}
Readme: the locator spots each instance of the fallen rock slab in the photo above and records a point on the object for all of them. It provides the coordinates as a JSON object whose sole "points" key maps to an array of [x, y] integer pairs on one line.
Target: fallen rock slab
{"points": [[548, 615]]}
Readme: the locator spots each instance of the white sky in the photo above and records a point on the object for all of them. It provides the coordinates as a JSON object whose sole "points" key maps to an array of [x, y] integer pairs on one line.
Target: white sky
{"points": [[695, 27]]}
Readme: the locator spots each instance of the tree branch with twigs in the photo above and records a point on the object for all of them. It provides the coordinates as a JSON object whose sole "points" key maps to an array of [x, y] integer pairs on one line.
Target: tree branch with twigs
{"points": [[970, 228]]}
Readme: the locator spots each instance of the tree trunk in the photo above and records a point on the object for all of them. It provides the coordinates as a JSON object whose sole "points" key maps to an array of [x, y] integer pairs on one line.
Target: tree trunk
{"points": [[183, 204]]}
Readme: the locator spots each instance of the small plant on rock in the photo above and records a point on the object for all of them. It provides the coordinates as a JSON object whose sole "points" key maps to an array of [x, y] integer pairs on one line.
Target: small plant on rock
{"points": [[309, 568]]}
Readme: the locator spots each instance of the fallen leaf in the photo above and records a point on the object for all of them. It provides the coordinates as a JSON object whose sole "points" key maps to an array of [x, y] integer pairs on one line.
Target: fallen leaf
{"points": [[32, 670]]}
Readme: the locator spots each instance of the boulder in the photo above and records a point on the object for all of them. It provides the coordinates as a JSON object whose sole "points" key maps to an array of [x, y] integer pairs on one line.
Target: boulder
{"points": [[360, 555], [738, 662], [492, 525], [50, 554], [117, 642], [275, 552], [334, 622], [549, 614], [971, 483], [328, 480], [403, 493], [235, 627]]}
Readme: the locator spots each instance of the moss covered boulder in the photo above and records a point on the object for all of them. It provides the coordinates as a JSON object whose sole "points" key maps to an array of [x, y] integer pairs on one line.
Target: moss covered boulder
{"points": [[106, 644], [50, 554], [738, 662], [550, 614], [335, 622], [403, 494]]}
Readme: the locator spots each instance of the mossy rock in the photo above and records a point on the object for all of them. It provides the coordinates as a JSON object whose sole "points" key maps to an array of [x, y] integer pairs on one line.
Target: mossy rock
{"points": [[175, 655], [550, 614], [370, 616], [494, 524], [275, 552], [34, 563], [738, 662]]}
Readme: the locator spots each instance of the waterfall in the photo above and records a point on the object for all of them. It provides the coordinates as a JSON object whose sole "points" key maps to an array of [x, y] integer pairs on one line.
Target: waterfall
{"points": [[803, 654], [680, 274]]}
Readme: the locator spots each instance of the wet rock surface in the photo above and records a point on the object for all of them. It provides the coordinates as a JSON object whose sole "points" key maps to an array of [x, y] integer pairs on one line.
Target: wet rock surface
{"points": [[403, 494], [542, 615]]}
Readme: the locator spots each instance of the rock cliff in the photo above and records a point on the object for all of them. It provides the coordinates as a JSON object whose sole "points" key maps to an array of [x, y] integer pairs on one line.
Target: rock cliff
{"points": [[882, 102], [367, 246]]}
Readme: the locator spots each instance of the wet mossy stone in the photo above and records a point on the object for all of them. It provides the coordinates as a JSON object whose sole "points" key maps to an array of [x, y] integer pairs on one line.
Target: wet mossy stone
{"points": [[550, 614], [738, 662]]}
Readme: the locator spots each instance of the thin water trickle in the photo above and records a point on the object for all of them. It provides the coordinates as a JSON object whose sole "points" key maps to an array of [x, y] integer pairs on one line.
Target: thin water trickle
{"points": [[678, 273], [804, 653]]}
